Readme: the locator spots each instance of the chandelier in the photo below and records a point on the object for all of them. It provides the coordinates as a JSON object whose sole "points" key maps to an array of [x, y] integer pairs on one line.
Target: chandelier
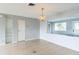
{"points": [[42, 17]]}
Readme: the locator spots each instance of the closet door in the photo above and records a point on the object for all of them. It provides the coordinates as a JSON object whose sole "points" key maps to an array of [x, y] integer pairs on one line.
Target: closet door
{"points": [[21, 30], [2, 30], [11, 30]]}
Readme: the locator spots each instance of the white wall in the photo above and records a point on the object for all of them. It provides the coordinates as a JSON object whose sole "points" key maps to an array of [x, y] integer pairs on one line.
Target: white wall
{"points": [[32, 26], [32, 29], [62, 40], [9, 29]]}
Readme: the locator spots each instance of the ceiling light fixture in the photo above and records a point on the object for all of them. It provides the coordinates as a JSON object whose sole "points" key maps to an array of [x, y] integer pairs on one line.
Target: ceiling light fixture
{"points": [[31, 4], [42, 17]]}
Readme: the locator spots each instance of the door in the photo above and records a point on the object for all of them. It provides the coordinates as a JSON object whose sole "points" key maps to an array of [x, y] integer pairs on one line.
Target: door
{"points": [[21, 30]]}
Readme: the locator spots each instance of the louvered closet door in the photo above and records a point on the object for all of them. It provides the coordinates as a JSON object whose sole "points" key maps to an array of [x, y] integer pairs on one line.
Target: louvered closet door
{"points": [[2, 31], [9, 30]]}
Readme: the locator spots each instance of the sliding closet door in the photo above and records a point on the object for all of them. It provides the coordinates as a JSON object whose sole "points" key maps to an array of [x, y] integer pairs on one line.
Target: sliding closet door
{"points": [[21, 30]]}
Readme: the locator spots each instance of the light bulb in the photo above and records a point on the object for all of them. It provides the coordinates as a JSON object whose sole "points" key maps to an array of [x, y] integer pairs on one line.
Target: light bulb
{"points": [[42, 18]]}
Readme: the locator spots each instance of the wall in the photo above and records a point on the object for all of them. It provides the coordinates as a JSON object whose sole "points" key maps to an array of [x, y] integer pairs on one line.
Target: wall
{"points": [[9, 28], [32, 29], [62, 40]]}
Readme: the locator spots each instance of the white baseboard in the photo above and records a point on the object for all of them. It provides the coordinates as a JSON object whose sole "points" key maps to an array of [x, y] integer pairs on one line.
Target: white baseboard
{"points": [[31, 39]]}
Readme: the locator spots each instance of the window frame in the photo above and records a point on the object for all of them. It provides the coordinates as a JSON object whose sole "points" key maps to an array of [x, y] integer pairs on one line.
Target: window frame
{"points": [[59, 30], [73, 22]]}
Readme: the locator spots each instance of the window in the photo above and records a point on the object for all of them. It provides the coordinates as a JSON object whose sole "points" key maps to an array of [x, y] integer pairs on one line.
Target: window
{"points": [[76, 27], [68, 27], [60, 26], [49, 27]]}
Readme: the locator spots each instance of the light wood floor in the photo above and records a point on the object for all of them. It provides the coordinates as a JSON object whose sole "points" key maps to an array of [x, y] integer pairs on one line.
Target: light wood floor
{"points": [[35, 47]]}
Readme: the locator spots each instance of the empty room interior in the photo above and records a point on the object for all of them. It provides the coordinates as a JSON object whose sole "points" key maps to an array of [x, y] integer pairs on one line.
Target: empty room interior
{"points": [[39, 29]]}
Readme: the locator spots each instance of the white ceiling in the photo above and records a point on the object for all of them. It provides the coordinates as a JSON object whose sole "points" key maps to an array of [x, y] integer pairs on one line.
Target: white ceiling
{"points": [[21, 9]]}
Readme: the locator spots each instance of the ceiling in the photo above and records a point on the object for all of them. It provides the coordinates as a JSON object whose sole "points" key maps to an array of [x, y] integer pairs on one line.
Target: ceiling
{"points": [[22, 9]]}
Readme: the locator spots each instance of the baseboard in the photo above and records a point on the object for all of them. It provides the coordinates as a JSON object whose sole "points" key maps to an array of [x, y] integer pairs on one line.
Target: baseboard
{"points": [[31, 39]]}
